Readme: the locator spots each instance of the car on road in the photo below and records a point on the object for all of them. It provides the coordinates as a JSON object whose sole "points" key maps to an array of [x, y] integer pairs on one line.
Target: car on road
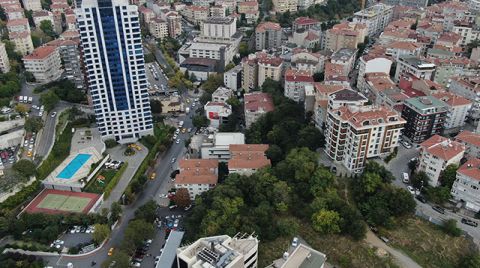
{"points": [[173, 160], [172, 207], [439, 209], [384, 239], [405, 177], [410, 189], [295, 242], [54, 114], [110, 252], [406, 144], [421, 198], [469, 222], [152, 176], [189, 130], [175, 223], [177, 141]]}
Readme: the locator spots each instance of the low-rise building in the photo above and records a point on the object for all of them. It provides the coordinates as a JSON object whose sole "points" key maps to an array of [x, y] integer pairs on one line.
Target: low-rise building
{"points": [[246, 159], [413, 66], [197, 175], [426, 116], [295, 82], [458, 108], [465, 188], [217, 146], [301, 256], [4, 62], [222, 94], [436, 153], [354, 134], [268, 35], [241, 252], [217, 113], [44, 63], [256, 105], [172, 104], [305, 23], [471, 141]]}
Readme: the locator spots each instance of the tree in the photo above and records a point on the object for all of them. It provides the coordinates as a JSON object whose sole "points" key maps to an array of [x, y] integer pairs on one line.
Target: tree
{"points": [[120, 258], [419, 179], [200, 121], [243, 49], [29, 77], [438, 195], [115, 211], [326, 222], [311, 138], [213, 82], [102, 231], [136, 232], [156, 106], [147, 212], [229, 66], [33, 124], [110, 143], [25, 167], [470, 261], [448, 176], [450, 227], [274, 153], [21, 108], [318, 77], [49, 99], [47, 27], [182, 197]]}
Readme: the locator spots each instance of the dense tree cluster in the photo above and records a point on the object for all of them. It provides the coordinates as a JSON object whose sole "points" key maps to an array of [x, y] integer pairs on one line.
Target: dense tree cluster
{"points": [[378, 201], [9, 86], [17, 260]]}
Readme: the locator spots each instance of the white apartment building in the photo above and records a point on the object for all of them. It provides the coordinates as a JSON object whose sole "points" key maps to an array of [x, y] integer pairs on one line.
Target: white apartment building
{"points": [[32, 5], [469, 88], [158, 28], [14, 12], [466, 187], [114, 61], [354, 134], [467, 31], [233, 78], [411, 65], [44, 63], [218, 145], [41, 15], [308, 61], [295, 82], [471, 141], [217, 113], [18, 25], [221, 28], [344, 57], [436, 154], [197, 175], [376, 17], [195, 14], [256, 104], [220, 251], [401, 48], [458, 108], [222, 94], [368, 64], [23, 42], [4, 62], [281, 6]]}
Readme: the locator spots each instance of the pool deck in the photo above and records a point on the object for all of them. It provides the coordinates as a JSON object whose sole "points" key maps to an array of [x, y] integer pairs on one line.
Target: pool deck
{"points": [[82, 143]]}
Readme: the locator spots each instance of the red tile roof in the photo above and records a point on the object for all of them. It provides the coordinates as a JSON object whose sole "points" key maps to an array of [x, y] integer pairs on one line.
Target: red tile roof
{"points": [[471, 169], [40, 53], [469, 138], [442, 147], [22, 34], [197, 171], [452, 99], [305, 21], [17, 22], [258, 100], [293, 75], [268, 25], [374, 116], [248, 156]]}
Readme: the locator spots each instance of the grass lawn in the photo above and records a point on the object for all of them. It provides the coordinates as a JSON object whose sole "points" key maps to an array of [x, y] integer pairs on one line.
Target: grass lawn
{"points": [[340, 250], [427, 244], [94, 186]]}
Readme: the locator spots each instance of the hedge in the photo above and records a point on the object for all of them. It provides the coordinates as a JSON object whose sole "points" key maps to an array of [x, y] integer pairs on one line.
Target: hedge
{"points": [[24, 195], [114, 181]]}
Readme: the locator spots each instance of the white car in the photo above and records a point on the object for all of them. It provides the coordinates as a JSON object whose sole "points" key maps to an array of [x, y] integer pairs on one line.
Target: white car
{"points": [[54, 114], [40, 113], [177, 141], [295, 242], [173, 160], [411, 190], [406, 144]]}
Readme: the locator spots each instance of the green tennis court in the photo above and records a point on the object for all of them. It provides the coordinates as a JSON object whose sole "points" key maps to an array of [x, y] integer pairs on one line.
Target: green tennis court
{"points": [[64, 203]]}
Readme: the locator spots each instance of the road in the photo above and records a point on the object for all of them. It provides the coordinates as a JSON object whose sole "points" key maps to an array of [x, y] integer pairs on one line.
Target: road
{"points": [[152, 190]]}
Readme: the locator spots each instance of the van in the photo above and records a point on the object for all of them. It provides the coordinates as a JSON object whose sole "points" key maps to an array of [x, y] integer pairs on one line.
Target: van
{"points": [[405, 177]]}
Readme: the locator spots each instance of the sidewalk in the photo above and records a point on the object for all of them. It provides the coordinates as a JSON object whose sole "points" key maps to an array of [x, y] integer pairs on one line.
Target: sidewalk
{"points": [[134, 163]]}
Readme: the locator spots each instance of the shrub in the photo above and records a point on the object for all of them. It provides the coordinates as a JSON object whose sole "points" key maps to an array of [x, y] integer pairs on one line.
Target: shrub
{"points": [[110, 143], [450, 228], [114, 181]]}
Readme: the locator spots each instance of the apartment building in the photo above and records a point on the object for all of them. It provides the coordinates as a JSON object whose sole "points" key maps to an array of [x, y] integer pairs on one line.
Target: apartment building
{"points": [[220, 251], [174, 21], [34, 5], [72, 60], [436, 153], [465, 188], [268, 35], [44, 63], [4, 62], [446, 69], [41, 15], [295, 82], [300, 256], [345, 35], [374, 62], [14, 12], [469, 88], [282, 6], [256, 104], [158, 28], [233, 78], [375, 17], [246, 159], [195, 14], [408, 66], [402, 48], [467, 30], [269, 67], [249, 73], [323, 90], [344, 57], [407, 3], [23, 42], [250, 10], [302, 59], [218, 146], [222, 94], [471, 141], [146, 15], [458, 108], [217, 113], [354, 134], [306, 23], [426, 116], [197, 175], [18, 25]]}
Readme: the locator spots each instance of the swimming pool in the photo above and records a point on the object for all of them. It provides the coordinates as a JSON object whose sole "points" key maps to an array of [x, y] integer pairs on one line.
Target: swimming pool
{"points": [[73, 166]]}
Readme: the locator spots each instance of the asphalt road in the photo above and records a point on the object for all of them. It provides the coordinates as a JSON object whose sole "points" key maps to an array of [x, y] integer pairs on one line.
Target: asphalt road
{"points": [[152, 190]]}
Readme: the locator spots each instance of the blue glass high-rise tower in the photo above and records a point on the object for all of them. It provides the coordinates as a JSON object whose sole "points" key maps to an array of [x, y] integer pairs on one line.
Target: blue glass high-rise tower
{"points": [[113, 55]]}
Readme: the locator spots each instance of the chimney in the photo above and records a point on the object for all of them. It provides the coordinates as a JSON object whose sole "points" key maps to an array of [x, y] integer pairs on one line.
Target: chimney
{"points": [[212, 246]]}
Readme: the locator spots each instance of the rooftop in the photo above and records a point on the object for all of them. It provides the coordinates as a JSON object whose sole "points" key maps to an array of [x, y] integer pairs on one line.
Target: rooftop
{"points": [[219, 20], [442, 147], [228, 138], [344, 54], [305, 257], [469, 138], [452, 99], [256, 101], [471, 169], [416, 62], [425, 102], [40, 53], [368, 116], [348, 95], [294, 75], [197, 171], [305, 21], [17, 22], [169, 253], [248, 156], [267, 25]]}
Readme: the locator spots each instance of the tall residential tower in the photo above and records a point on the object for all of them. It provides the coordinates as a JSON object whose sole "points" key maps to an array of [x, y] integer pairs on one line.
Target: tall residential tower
{"points": [[113, 54]]}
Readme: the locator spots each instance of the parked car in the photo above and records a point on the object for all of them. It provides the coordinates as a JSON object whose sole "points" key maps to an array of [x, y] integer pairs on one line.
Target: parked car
{"points": [[406, 144], [411, 190], [438, 209], [53, 114], [384, 239], [405, 177], [110, 252], [421, 198], [187, 208], [295, 242], [172, 207], [469, 222]]}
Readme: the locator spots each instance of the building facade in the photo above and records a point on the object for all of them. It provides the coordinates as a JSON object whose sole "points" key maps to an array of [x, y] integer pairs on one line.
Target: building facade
{"points": [[268, 35], [408, 66], [116, 68], [4, 62], [295, 82], [44, 63], [158, 28], [376, 18], [197, 175], [465, 188], [256, 104]]}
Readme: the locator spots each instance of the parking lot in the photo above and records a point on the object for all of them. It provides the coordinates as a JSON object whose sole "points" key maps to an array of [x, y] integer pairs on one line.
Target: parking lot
{"points": [[8, 156]]}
